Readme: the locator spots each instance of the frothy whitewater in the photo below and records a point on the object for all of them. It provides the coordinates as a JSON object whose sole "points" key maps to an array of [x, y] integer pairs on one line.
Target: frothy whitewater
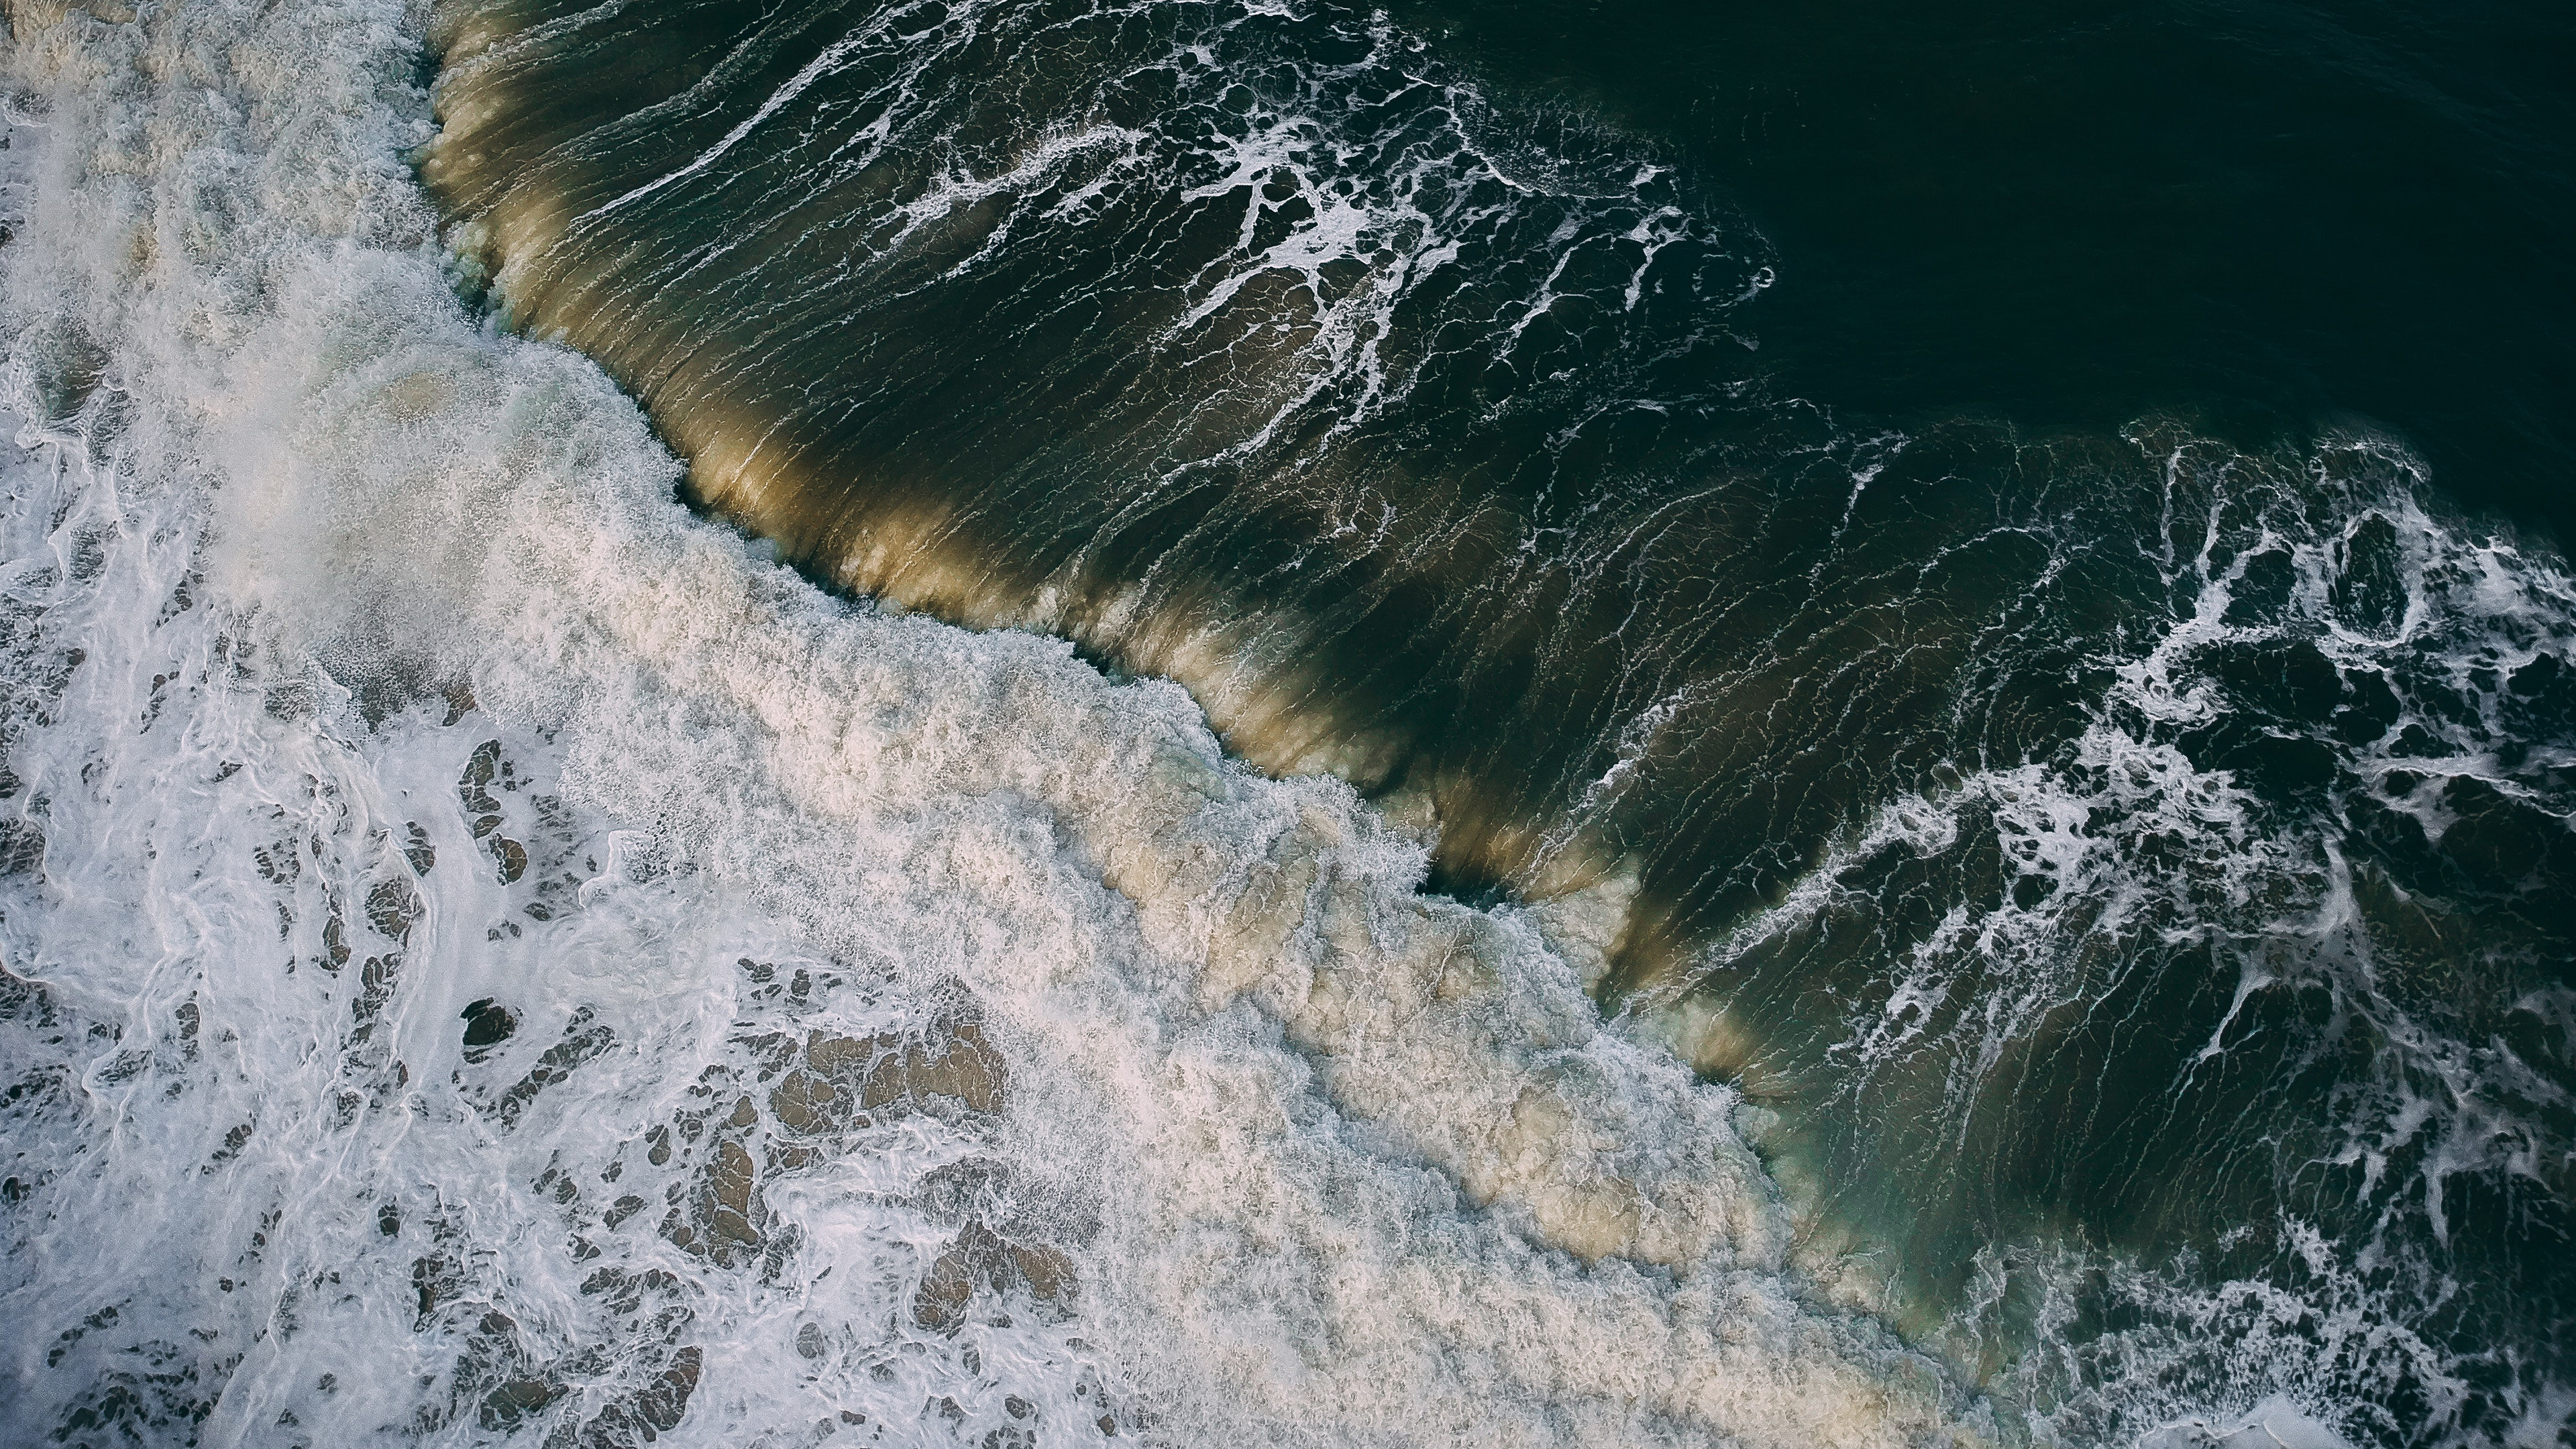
{"points": [[880, 1031], [491, 954]]}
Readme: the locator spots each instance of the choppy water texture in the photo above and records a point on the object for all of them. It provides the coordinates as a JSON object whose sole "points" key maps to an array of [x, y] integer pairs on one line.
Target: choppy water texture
{"points": [[1477, 872]]}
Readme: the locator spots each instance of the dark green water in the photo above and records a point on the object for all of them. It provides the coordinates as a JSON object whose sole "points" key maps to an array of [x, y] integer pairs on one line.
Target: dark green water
{"points": [[2271, 216], [1960, 535]]}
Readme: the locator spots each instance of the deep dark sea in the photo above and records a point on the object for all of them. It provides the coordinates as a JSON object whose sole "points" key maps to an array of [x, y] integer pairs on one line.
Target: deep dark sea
{"points": [[2270, 219], [1573, 721]]}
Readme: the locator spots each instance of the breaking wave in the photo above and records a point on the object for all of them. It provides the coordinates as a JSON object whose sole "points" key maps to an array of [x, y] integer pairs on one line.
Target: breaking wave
{"points": [[491, 952]]}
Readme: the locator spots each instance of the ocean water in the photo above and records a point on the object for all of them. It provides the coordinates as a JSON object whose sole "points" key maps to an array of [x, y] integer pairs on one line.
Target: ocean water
{"points": [[2266, 217], [1024, 723]]}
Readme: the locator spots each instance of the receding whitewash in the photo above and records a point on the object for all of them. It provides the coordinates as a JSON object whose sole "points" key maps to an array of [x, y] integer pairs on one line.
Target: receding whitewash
{"points": [[520, 959]]}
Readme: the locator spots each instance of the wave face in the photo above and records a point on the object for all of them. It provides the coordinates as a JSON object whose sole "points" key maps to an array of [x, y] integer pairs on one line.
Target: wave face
{"points": [[1481, 878], [491, 956]]}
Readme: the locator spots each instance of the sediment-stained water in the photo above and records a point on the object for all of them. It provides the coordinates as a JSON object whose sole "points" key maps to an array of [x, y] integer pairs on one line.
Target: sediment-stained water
{"points": [[1045, 722]]}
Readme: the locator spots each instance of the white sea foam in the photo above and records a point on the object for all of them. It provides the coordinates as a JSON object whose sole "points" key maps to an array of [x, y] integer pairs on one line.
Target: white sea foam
{"points": [[2123, 838], [1153, 1099]]}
